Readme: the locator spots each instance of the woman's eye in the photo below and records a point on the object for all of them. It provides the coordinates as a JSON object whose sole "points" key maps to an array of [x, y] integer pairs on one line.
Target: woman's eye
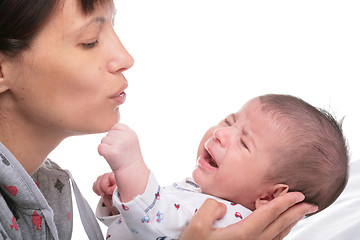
{"points": [[90, 45]]}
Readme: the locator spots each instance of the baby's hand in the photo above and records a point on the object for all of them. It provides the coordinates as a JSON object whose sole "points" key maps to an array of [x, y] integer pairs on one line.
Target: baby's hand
{"points": [[104, 186], [120, 147]]}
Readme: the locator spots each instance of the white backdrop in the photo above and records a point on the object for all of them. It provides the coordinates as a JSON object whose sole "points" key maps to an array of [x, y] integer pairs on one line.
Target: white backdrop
{"points": [[198, 60]]}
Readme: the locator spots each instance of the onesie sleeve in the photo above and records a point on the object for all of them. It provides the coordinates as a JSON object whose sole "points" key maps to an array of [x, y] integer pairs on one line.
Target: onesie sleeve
{"points": [[104, 215], [156, 214]]}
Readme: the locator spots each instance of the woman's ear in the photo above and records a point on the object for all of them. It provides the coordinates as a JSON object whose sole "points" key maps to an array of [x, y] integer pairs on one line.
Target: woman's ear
{"points": [[274, 192], [3, 81]]}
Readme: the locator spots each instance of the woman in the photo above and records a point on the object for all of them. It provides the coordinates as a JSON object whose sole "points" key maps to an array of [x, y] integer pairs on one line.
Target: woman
{"points": [[61, 67]]}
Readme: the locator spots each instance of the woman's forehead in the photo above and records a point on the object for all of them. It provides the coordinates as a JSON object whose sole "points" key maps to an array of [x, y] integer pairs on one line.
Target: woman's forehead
{"points": [[84, 6], [69, 18]]}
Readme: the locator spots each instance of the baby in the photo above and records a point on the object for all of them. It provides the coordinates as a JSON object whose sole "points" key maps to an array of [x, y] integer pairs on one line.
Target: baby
{"points": [[273, 145]]}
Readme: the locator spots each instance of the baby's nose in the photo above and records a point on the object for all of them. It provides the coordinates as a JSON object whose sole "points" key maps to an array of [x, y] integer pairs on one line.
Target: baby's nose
{"points": [[222, 135]]}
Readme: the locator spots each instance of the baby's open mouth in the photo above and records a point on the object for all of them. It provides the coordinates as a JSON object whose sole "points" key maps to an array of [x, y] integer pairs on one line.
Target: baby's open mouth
{"points": [[210, 159]]}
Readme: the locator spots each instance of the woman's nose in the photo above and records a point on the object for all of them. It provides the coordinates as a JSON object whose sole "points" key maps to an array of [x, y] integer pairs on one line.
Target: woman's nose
{"points": [[120, 60]]}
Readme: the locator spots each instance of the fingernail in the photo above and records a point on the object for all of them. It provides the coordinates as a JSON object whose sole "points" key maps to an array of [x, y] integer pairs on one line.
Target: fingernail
{"points": [[300, 198], [312, 209]]}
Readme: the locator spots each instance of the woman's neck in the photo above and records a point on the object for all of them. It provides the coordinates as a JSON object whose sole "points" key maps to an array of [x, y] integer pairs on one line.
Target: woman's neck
{"points": [[29, 144]]}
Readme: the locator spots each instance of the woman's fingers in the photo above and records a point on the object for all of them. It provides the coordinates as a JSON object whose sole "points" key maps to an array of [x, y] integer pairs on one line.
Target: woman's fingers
{"points": [[272, 221], [275, 219], [201, 225], [272, 210], [286, 231], [210, 211], [280, 227]]}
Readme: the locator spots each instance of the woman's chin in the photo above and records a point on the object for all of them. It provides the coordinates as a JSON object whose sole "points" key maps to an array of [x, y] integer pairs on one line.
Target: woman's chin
{"points": [[105, 126], [93, 129]]}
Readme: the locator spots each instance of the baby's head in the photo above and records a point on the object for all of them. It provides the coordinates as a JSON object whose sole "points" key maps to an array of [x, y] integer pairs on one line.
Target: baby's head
{"points": [[274, 144], [313, 156]]}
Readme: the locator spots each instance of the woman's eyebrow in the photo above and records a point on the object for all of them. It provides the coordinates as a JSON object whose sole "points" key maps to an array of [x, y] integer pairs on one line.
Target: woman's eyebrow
{"points": [[98, 20], [82, 28], [78, 29]]}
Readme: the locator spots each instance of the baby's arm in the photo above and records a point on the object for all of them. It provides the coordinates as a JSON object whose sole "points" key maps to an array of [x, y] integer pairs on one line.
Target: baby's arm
{"points": [[121, 149]]}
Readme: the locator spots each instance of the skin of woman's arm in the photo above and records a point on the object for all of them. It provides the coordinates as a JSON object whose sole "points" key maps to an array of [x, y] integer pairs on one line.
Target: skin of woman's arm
{"points": [[272, 221]]}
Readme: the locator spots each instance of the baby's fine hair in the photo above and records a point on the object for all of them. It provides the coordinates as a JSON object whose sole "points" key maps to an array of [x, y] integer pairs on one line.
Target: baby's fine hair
{"points": [[312, 157]]}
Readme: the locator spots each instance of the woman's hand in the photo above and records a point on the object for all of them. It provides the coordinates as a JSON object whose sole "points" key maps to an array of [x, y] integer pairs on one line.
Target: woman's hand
{"points": [[271, 221]]}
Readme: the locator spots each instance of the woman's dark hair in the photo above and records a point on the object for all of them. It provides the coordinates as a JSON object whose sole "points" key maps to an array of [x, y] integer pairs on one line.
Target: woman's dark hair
{"points": [[21, 20]]}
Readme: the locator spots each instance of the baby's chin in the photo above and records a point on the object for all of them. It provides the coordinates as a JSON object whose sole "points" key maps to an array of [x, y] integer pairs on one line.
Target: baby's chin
{"points": [[197, 178]]}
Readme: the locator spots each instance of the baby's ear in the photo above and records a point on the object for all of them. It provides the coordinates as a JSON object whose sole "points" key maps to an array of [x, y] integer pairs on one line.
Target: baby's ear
{"points": [[274, 192], [280, 189]]}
